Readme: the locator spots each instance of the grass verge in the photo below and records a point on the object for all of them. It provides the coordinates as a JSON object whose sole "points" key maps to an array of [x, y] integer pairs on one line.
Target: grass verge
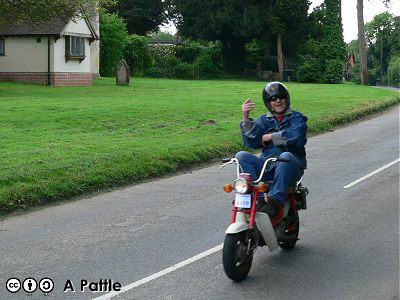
{"points": [[62, 142]]}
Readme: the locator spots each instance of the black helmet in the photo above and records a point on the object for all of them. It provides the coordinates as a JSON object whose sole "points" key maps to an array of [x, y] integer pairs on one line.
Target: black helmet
{"points": [[275, 89]]}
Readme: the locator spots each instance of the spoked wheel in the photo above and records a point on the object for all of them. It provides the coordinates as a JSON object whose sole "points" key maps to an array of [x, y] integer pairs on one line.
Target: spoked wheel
{"points": [[236, 261], [291, 232]]}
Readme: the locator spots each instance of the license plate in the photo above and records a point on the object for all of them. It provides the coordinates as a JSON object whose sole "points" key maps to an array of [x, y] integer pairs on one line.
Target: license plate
{"points": [[243, 201]]}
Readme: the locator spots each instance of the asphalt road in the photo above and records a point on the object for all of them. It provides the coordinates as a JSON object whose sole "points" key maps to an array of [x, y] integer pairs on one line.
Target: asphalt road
{"points": [[348, 247]]}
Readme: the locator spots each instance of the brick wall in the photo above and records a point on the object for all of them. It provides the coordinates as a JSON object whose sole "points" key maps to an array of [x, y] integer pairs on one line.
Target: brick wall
{"points": [[56, 79], [72, 79]]}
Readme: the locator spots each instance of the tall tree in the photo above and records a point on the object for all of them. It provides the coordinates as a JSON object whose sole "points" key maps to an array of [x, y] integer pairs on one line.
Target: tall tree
{"points": [[232, 22], [332, 49], [236, 22], [382, 40], [141, 16], [113, 38], [287, 19], [361, 40], [324, 54], [41, 11]]}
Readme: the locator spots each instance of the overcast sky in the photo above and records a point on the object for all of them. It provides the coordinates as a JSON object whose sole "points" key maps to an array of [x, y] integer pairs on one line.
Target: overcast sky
{"points": [[349, 15]]}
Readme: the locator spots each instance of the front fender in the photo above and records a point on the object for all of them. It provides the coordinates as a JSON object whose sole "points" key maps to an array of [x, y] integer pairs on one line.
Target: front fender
{"points": [[237, 227], [264, 225]]}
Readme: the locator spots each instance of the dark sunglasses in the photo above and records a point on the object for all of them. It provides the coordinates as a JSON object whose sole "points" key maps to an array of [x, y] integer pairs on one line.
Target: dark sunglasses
{"points": [[273, 99]]}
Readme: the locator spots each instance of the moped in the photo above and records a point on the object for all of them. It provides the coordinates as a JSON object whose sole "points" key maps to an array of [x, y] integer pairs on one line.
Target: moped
{"points": [[251, 228]]}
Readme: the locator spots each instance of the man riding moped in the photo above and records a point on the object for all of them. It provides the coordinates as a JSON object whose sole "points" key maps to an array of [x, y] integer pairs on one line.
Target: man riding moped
{"points": [[279, 133]]}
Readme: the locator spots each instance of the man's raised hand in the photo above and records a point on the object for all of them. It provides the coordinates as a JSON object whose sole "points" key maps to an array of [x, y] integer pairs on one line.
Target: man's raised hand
{"points": [[247, 107]]}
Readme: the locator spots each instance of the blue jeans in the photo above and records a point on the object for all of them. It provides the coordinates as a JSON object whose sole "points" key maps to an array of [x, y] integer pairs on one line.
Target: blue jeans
{"points": [[282, 175]]}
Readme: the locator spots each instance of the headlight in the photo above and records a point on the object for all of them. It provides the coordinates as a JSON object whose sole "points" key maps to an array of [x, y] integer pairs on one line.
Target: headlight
{"points": [[241, 186]]}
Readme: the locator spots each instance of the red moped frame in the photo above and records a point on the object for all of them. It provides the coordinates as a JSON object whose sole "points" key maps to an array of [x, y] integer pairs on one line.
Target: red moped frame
{"points": [[252, 211]]}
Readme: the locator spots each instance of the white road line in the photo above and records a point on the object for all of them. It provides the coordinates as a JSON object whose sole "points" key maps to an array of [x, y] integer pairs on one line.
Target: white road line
{"points": [[371, 174], [161, 273]]}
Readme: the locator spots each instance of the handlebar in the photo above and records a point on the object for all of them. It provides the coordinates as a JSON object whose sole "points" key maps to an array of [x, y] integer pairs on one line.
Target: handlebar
{"points": [[228, 161], [282, 159]]}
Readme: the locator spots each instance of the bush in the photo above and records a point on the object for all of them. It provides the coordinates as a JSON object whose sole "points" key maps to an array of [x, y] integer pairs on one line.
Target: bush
{"points": [[333, 71], [164, 57], [113, 37], [373, 78], [187, 62], [137, 53], [209, 62], [154, 72], [188, 53], [393, 73], [185, 71], [308, 71]]}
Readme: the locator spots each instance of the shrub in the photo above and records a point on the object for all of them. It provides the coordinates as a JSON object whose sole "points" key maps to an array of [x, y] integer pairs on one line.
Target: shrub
{"points": [[187, 62], [185, 71], [373, 78], [164, 57], [393, 73], [207, 69], [154, 72], [333, 71], [308, 71], [209, 62], [113, 37], [188, 53], [137, 53]]}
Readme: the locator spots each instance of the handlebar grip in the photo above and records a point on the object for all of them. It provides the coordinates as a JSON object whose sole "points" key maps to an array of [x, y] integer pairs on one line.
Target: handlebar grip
{"points": [[225, 160], [282, 159]]}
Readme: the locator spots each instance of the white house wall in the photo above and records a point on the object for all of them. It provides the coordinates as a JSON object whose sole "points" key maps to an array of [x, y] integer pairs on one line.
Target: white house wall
{"points": [[95, 47], [24, 54], [95, 58], [72, 65], [80, 27]]}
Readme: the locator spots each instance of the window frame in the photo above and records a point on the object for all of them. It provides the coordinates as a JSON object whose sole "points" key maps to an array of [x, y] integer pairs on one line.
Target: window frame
{"points": [[75, 48], [3, 41]]}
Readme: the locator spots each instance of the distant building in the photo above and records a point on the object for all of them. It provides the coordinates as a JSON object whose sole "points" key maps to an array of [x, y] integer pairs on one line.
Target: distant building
{"points": [[165, 42], [56, 53]]}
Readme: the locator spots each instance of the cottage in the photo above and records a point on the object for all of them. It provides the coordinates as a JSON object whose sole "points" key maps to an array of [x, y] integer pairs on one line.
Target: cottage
{"points": [[57, 53]]}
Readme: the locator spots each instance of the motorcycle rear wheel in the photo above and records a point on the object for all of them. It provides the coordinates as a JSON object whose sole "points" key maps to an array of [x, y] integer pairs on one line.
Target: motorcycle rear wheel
{"points": [[236, 261], [291, 237]]}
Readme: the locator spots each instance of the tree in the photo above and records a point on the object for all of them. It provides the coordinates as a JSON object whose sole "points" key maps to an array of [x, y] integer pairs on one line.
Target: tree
{"points": [[113, 38], [361, 40], [324, 53], [141, 16], [381, 38], [41, 11], [233, 23], [137, 53], [332, 52], [274, 22], [287, 20]]}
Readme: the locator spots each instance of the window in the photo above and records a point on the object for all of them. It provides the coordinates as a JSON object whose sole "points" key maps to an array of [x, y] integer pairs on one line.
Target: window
{"points": [[2, 46], [74, 47]]}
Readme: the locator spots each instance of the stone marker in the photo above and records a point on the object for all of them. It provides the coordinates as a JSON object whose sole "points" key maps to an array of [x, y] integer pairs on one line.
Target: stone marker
{"points": [[123, 72]]}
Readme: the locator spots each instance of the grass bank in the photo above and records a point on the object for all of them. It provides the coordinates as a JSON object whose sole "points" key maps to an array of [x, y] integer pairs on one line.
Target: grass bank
{"points": [[62, 142]]}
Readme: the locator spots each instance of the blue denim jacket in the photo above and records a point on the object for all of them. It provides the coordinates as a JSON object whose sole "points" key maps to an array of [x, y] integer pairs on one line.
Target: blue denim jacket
{"points": [[288, 136]]}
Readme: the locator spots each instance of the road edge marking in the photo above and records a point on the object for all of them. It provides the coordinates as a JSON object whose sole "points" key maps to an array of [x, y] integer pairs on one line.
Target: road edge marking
{"points": [[372, 173], [161, 273]]}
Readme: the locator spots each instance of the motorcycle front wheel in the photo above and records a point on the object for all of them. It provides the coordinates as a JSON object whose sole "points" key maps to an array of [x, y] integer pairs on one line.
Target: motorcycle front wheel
{"points": [[236, 261]]}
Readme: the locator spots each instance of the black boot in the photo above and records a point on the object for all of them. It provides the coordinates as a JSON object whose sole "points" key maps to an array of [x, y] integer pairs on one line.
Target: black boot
{"points": [[271, 207]]}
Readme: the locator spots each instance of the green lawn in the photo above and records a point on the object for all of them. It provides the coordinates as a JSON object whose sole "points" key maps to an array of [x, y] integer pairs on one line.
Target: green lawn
{"points": [[59, 142]]}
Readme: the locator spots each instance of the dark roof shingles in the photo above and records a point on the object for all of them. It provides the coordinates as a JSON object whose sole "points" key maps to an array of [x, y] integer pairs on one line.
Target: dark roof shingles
{"points": [[53, 27]]}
